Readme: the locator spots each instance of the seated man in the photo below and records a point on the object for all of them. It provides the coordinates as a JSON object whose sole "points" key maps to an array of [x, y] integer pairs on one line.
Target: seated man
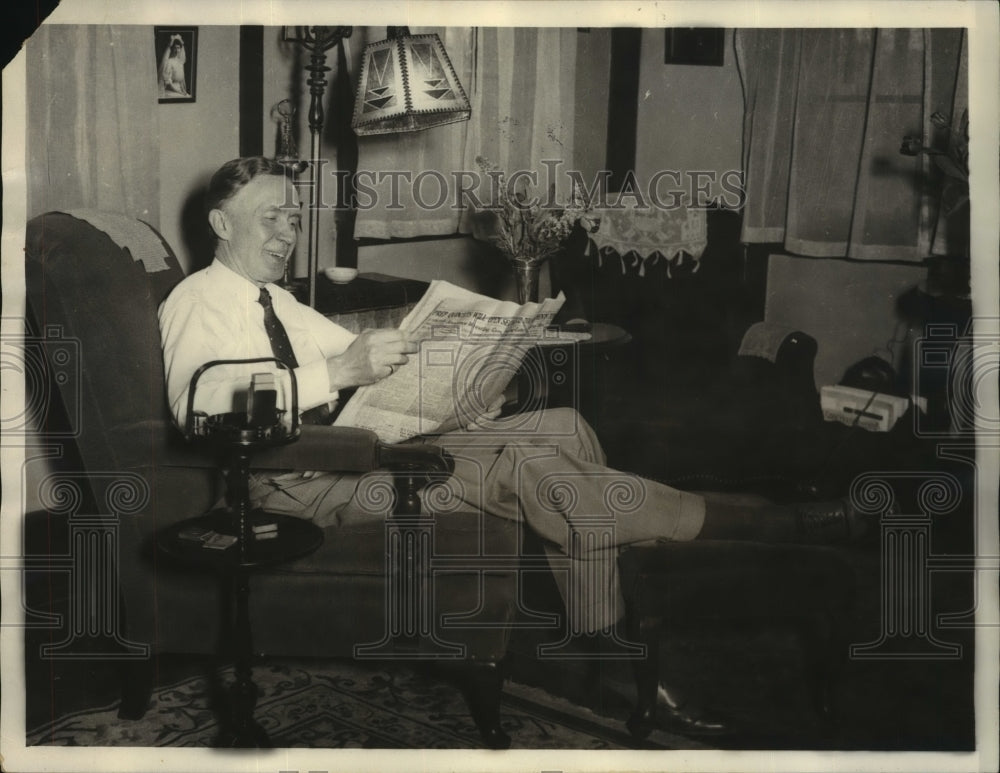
{"points": [[233, 310]]}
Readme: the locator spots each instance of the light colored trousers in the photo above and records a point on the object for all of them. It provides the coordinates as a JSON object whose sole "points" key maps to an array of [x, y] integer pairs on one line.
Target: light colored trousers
{"points": [[545, 469]]}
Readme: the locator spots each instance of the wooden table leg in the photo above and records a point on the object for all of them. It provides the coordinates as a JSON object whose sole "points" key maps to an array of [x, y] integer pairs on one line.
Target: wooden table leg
{"points": [[244, 731]]}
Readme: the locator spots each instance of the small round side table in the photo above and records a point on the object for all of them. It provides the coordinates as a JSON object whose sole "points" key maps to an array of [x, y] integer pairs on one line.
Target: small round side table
{"points": [[293, 538], [561, 371]]}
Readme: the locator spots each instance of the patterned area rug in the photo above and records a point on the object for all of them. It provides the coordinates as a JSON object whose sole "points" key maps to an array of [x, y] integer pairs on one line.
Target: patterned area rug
{"points": [[346, 705]]}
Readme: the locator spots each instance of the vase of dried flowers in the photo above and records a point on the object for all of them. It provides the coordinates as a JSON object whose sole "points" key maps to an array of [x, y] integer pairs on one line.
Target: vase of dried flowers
{"points": [[526, 274], [527, 230]]}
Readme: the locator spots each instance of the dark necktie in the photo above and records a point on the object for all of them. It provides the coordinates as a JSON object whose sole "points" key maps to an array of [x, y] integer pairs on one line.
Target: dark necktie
{"points": [[281, 348]]}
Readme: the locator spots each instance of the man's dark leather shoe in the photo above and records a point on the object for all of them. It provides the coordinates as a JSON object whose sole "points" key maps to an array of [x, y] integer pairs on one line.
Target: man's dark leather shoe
{"points": [[678, 716], [826, 523]]}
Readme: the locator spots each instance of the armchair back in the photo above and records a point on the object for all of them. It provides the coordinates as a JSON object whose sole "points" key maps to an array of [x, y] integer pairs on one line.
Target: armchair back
{"points": [[84, 288]]}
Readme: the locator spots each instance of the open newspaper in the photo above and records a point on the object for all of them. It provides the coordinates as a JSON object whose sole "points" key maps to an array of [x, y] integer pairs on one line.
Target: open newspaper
{"points": [[471, 346]]}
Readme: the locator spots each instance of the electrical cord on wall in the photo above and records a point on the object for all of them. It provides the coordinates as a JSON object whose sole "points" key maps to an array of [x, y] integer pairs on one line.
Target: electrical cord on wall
{"points": [[890, 345]]}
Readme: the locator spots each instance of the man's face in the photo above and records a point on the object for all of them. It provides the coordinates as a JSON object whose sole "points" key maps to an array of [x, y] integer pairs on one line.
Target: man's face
{"points": [[258, 229]]}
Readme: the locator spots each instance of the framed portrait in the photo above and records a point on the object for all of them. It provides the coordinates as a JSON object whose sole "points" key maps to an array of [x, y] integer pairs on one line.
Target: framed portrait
{"points": [[176, 59], [695, 45]]}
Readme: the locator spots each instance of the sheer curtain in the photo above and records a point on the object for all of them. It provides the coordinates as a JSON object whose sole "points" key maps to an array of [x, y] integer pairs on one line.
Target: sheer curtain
{"points": [[521, 86], [826, 111], [93, 131], [523, 99], [428, 157]]}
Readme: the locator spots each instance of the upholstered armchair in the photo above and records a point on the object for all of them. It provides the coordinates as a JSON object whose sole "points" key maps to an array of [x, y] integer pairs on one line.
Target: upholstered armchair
{"points": [[139, 476]]}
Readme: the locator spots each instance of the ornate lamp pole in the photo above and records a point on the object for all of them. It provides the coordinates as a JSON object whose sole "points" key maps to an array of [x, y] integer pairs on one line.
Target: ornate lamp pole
{"points": [[317, 41]]}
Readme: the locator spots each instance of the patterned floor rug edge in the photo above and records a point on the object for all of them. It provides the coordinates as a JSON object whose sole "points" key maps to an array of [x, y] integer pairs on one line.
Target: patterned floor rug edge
{"points": [[344, 705]]}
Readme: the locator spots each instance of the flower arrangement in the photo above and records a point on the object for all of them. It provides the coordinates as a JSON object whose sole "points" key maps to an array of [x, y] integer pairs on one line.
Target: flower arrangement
{"points": [[526, 229]]}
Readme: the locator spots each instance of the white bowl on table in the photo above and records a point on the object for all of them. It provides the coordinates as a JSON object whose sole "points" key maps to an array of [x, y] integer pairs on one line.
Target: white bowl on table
{"points": [[340, 274]]}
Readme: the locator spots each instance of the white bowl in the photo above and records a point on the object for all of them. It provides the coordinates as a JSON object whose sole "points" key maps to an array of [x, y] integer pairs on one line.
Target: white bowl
{"points": [[340, 275]]}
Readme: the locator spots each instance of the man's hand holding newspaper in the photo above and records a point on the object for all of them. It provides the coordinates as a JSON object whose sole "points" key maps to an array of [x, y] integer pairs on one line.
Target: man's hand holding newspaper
{"points": [[471, 346]]}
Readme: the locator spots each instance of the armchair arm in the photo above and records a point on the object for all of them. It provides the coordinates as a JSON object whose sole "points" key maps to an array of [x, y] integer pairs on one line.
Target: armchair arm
{"points": [[414, 465], [349, 449], [421, 458], [336, 449], [157, 442], [333, 449]]}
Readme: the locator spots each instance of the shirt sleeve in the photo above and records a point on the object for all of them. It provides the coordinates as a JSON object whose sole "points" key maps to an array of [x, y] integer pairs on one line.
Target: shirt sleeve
{"points": [[331, 339], [189, 341]]}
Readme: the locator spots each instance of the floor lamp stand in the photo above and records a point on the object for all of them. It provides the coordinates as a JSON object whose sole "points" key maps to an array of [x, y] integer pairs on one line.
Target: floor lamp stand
{"points": [[317, 40]]}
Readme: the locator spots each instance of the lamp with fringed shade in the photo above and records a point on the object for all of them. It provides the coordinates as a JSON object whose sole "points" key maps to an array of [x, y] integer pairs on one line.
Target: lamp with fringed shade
{"points": [[407, 84]]}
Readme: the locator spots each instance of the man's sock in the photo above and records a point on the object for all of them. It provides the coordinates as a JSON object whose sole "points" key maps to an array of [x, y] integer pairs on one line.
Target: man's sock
{"points": [[811, 523], [759, 522]]}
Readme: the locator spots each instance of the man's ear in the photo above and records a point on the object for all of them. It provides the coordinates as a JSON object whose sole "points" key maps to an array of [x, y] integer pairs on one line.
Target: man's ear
{"points": [[220, 224]]}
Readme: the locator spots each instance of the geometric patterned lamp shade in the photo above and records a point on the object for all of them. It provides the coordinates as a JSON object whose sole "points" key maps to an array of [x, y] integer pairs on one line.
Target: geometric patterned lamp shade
{"points": [[407, 84]]}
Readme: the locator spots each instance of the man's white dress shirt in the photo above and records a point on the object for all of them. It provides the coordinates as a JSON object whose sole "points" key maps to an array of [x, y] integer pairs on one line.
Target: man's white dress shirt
{"points": [[214, 314]]}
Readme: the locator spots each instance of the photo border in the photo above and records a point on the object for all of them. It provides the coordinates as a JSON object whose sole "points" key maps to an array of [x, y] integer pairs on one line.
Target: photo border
{"points": [[981, 19]]}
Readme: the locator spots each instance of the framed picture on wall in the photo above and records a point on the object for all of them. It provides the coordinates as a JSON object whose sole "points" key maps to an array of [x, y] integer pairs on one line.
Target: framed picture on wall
{"points": [[695, 45], [176, 58]]}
